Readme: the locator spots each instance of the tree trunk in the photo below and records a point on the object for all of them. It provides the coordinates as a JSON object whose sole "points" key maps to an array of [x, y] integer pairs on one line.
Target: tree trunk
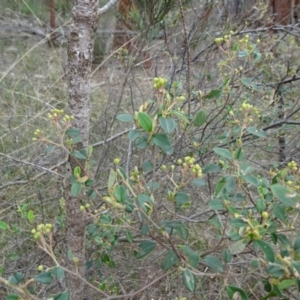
{"points": [[80, 48], [284, 11]]}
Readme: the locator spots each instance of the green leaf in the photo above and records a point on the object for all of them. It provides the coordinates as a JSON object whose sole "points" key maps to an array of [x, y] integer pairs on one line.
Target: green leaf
{"points": [[129, 236], [213, 94], [50, 149], [145, 248], [72, 132], [249, 84], [284, 284], [44, 277], [111, 179], [141, 142], [188, 280], [254, 263], [246, 168], [76, 139], [63, 296], [181, 199], [145, 121], [243, 53], [58, 272], [239, 154], [295, 265], [212, 168], [227, 256], [3, 225], [169, 260], [78, 155], [297, 245], [214, 263], [167, 124], [147, 166], [153, 186], [216, 204], [144, 201], [77, 172], [257, 56], [256, 132], [12, 297], [279, 212], [145, 229], [231, 290], [285, 195], [180, 228], [30, 215], [180, 116], [251, 179], [238, 223], [200, 118], [235, 47], [237, 247], [133, 134], [120, 193], [275, 270], [105, 219], [224, 153], [192, 256], [260, 205], [198, 182], [125, 118], [16, 278], [162, 141], [182, 231], [284, 240], [267, 249], [76, 189], [220, 187]]}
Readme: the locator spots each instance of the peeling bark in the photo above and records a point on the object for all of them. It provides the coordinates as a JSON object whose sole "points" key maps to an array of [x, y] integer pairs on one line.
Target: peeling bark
{"points": [[80, 49]]}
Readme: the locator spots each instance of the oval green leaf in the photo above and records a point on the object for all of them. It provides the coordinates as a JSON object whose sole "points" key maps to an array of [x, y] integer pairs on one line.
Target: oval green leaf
{"points": [[167, 124], [267, 249], [188, 280], [192, 256], [297, 245], [63, 296], [285, 195], [169, 260], [237, 247], [3, 225], [162, 141], [125, 118], [76, 189], [200, 118], [145, 121], [145, 248], [214, 263], [224, 153], [44, 278], [231, 290], [71, 132]]}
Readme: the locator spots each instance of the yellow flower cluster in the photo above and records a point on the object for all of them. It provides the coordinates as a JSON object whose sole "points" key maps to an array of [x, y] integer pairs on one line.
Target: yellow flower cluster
{"points": [[159, 82], [293, 165], [223, 39], [38, 133], [189, 162], [56, 113], [41, 229]]}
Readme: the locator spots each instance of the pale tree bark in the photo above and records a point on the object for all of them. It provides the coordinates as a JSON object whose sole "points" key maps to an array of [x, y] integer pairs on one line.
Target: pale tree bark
{"points": [[85, 16]]}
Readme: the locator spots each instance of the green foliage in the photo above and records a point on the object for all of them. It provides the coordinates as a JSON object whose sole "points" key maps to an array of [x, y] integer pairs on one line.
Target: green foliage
{"points": [[199, 190]]}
